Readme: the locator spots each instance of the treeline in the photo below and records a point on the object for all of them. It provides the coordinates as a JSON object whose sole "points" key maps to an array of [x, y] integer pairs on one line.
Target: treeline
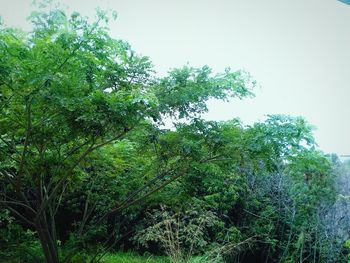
{"points": [[86, 165]]}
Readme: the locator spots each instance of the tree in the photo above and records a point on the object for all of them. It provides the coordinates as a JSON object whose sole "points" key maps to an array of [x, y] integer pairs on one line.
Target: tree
{"points": [[67, 90]]}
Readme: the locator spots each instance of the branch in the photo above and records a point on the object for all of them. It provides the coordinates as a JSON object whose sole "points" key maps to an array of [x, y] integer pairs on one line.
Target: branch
{"points": [[21, 216], [18, 203], [91, 148], [26, 142], [113, 211], [75, 149], [149, 183], [51, 196], [8, 100]]}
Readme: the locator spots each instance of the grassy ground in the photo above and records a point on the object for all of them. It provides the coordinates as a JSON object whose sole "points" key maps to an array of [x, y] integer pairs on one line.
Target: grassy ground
{"points": [[115, 257], [132, 258]]}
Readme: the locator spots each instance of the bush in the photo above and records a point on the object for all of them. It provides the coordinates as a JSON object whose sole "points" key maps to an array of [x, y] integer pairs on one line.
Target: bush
{"points": [[181, 234]]}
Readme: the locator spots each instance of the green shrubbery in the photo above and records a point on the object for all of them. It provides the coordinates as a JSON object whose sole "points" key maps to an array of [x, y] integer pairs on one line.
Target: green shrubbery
{"points": [[16, 243]]}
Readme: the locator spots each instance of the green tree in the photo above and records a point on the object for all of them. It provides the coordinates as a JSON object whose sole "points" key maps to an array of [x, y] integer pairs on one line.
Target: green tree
{"points": [[68, 90]]}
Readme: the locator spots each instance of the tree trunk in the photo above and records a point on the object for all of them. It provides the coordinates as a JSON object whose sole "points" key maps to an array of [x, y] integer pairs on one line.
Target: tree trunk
{"points": [[47, 242]]}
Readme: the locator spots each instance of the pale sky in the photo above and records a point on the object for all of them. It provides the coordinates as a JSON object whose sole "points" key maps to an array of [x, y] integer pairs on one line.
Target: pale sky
{"points": [[297, 50]]}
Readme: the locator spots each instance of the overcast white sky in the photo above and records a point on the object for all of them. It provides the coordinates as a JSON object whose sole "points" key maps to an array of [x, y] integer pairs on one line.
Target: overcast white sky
{"points": [[298, 51]]}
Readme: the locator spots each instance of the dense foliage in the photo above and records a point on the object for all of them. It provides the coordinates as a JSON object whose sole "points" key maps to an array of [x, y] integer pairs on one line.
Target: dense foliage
{"points": [[86, 165]]}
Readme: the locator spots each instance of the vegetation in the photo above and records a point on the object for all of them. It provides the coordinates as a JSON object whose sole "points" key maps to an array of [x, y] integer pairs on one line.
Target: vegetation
{"points": [[88, 169]]}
